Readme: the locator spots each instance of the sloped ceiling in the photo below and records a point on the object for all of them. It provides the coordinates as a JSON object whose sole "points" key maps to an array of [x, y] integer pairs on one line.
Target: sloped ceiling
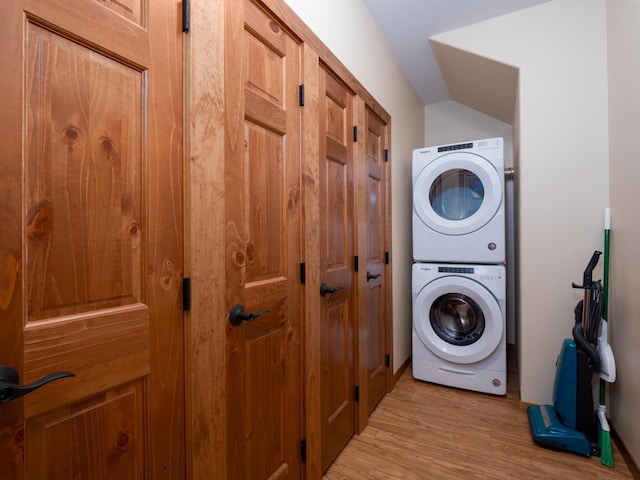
{"points": [[478, 82], [408, 24]]}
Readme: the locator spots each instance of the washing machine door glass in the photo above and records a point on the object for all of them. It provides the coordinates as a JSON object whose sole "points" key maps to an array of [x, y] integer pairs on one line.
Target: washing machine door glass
{"points": [[457, 319], [458, 193]]}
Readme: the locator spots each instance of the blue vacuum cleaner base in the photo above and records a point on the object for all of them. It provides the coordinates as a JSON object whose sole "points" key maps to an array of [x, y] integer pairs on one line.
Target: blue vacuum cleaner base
{"points": [[548, 432]]}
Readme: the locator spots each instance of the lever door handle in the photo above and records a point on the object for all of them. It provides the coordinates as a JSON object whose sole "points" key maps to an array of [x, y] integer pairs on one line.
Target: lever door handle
{"points": [[9, 379], [237, 315], [371, 276], [324, 289]]}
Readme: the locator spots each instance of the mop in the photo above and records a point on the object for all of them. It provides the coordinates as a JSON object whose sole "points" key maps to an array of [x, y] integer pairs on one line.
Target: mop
{"points": [[607, 367]]}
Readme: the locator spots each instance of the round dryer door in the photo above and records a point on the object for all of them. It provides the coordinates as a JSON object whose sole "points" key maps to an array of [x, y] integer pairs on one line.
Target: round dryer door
{"points": [[457, 193], [458, 319]]}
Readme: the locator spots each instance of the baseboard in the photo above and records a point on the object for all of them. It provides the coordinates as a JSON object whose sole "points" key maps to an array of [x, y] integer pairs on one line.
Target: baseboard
{"points": [[628, 459], [396, 376]]}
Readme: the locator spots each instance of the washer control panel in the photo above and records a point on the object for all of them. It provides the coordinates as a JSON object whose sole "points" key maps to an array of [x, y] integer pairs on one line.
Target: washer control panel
{"points": [[479, 272]]}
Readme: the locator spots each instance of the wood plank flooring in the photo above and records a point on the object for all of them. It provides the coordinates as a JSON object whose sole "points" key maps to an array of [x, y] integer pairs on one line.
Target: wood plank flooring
{"points": [[426, 431]]}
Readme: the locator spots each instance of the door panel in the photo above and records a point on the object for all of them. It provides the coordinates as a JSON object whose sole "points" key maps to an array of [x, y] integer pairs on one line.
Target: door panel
{"points": [[336, 260], [83, 251], [94, 194], [263, 222], [88, 429], [376, 308]]}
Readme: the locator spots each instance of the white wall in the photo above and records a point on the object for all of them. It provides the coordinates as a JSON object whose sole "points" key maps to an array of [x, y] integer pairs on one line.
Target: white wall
{"points": [[561, 163], [623, 20], [451, 122], [346, 27]]}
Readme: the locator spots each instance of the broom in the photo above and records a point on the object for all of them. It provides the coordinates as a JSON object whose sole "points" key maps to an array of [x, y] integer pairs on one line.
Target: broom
{"points": [[606, 454]]}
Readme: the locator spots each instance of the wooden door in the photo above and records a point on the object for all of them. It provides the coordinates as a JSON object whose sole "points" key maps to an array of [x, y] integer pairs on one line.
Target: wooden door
{"points": [[91, 249], [336, 266], [262, 247], [375, 316]]}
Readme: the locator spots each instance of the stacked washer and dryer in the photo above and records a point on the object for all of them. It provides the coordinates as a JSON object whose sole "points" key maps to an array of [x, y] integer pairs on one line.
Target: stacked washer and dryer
{"points": [[458, 278]]}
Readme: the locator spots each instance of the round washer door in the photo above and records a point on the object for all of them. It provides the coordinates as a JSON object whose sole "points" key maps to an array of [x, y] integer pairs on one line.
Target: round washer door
{"points": [[458, 319], [457, 193]]}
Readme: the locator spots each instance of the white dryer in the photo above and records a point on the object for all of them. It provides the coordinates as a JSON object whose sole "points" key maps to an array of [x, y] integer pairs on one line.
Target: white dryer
{"points": [[459, 326], [458, 203]]}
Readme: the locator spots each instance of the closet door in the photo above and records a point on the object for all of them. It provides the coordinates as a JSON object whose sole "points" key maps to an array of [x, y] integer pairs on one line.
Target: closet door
{"points": [[262, 247], [91, 249], [336, 266], [375, 317]]}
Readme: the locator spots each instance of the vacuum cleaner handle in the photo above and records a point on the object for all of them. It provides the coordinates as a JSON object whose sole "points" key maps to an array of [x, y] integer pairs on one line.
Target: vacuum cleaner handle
{"points": [[588, 272], [594, 357], [587, 286], [587, 276]]}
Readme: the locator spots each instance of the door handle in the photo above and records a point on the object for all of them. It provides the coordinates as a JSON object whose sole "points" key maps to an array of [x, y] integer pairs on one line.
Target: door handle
{"points": [[9, 379], [372, 276], [237, 315], [324, 289]]}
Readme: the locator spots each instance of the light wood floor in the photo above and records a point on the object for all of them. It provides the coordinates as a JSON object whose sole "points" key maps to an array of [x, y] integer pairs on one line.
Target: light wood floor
{"points": [[426, 431]]}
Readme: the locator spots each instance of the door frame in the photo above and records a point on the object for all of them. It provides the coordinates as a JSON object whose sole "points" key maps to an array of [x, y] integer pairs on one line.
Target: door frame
{"points": [[204, 154]]}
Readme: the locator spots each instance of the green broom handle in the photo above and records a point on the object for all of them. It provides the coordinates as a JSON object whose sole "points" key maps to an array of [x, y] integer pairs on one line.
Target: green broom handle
{"points": [[605, 274], [605, 287]]}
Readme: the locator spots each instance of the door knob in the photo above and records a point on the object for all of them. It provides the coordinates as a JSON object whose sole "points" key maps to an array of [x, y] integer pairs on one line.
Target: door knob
{"points": [[9, 379], [237, 315], [324, 289], [372, 276]]}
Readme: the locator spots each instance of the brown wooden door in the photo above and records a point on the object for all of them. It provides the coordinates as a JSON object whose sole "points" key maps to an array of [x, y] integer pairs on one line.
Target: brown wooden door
{"points": [[262, 247], [375, 144], [91, 249], [336, 266]]}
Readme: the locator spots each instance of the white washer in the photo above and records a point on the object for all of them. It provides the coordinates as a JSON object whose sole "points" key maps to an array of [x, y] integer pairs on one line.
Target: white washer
{"points": [[459, 326], [458, 203]]}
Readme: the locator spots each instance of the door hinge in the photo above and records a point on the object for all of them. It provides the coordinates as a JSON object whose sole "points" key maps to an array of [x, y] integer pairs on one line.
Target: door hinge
{"points": [[303, 273], [387, 360], [186, 294], [357, 393], [186, 14], [303, 450], [355, 133], [386, 258], [355, 263], [386, 154], [301, 95]]}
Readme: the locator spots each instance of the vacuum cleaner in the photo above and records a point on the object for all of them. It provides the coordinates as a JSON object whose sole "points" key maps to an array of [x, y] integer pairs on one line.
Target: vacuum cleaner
{"points": [[571, 424]]}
